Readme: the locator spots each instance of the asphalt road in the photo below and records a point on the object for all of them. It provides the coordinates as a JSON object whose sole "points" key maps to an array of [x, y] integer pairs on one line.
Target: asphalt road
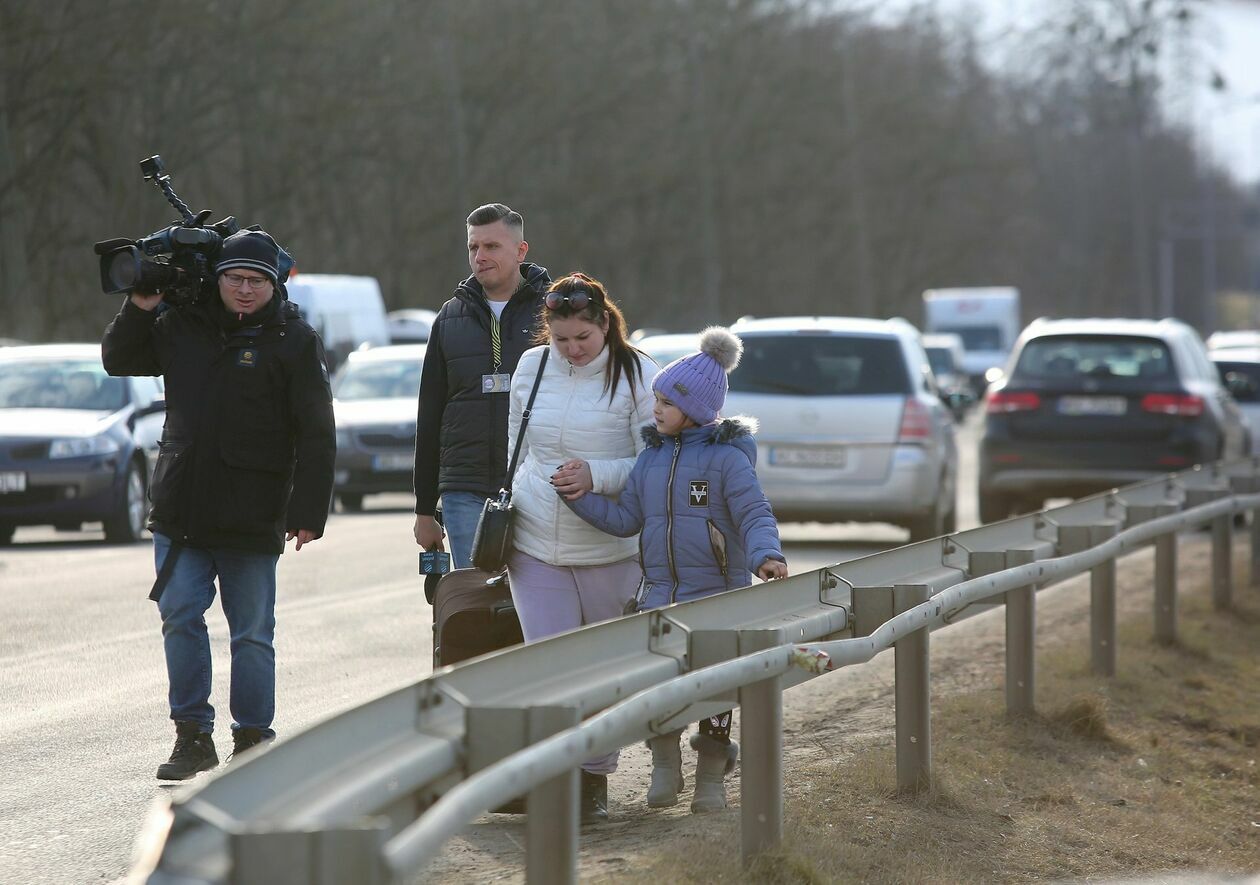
{"points": [[83, 719]]}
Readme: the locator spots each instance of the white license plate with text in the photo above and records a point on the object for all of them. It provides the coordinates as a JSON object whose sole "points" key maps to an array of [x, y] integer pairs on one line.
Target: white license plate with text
{"points": [[800, 456], [1093, 405], [399, 461], [12, 481]]}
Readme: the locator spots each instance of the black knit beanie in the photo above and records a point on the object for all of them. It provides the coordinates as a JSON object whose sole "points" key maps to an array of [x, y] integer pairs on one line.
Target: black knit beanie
{"points": [[253, 250]]}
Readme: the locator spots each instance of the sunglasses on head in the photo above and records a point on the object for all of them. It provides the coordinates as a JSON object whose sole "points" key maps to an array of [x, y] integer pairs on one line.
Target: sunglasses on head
{"points": [[576, 300]]}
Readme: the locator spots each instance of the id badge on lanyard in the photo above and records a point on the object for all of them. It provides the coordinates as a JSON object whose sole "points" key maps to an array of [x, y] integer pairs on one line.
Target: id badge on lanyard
{"points": [[496, 381]]}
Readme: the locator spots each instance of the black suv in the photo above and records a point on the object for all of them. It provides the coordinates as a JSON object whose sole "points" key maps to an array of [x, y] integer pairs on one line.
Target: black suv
{"points": [[1091, 404]]}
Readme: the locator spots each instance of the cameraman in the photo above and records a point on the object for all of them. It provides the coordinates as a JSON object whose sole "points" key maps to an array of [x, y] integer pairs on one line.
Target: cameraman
{"points": [[245, 463]]}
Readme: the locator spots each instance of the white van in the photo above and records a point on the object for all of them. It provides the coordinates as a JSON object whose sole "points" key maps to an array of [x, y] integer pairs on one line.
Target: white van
{"points": [[985, 318], [347, 312]]}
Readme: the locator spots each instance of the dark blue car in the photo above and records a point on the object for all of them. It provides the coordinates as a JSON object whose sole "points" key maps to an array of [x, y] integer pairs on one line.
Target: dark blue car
{"points": [[76, 446]]}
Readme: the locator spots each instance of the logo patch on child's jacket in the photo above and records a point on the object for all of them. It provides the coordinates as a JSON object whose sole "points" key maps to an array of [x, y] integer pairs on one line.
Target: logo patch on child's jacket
{"points": [[247, 358], [698, 495]]}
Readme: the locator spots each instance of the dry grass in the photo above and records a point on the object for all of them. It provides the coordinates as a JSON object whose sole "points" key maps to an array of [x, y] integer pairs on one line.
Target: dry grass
{"points": [[1153, 771]]}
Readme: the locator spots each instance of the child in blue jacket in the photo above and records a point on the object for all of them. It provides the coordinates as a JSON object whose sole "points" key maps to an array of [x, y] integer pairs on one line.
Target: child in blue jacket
{"points": [[705, 527]]}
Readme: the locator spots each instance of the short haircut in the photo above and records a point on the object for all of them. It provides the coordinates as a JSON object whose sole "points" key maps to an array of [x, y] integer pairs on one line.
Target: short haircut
{"points": [[492, 212]]}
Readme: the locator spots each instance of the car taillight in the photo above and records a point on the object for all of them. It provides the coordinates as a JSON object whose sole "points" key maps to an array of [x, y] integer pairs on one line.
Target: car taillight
{"points": [[1000, 402], [916, 422], [1183, 405]]}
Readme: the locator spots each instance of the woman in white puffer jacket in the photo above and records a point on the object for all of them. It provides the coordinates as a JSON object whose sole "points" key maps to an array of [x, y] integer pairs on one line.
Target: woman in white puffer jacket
{"points": [[582, 435]]}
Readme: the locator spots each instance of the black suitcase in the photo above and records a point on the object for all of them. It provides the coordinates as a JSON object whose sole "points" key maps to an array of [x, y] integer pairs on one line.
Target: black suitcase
{"points": [[472, 614]]}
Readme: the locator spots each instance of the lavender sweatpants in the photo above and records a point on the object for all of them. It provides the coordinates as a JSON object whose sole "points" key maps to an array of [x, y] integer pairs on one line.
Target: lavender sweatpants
{"points": [[552, 599]]}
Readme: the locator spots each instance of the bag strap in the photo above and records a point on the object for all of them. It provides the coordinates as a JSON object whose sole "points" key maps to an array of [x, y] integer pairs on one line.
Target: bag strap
{"points": [[529, 406]]}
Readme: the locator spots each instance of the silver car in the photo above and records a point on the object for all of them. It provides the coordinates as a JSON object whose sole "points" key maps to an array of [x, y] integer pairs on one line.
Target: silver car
{"points": [[1239, 368], [852, 427], [374, 402]]}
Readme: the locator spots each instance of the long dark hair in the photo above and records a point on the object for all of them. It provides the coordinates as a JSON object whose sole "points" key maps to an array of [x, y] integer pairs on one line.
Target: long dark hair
{"points": [[623, 357]]}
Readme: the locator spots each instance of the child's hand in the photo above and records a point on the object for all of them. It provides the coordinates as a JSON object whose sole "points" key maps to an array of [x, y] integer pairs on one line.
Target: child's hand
{"points": [[772, 569], [572, 479]]}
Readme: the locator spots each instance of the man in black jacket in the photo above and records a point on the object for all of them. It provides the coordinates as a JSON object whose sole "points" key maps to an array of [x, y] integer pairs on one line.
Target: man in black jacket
{"points": [[474, 345], [245, 463]]}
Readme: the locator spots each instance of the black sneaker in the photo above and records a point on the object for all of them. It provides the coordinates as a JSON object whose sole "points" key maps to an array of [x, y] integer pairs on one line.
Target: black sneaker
{"points": [[194, 752], [594, 801], [246, 738]]}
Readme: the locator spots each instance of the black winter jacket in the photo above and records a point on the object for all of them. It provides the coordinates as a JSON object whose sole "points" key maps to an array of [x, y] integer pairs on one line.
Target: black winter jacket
{"points": [[461, 431], [248, 446]]}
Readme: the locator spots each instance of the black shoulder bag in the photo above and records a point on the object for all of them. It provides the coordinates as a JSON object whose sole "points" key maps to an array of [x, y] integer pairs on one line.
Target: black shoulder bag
{"points": [[492, 541]]}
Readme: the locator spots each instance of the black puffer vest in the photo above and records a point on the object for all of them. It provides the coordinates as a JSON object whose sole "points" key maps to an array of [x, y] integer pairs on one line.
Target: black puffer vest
{"points": [[470, 446]]}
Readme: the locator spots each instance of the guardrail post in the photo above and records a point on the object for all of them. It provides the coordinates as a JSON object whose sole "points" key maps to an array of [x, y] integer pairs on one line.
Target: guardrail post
{"points": [[914, 722], [339, 856], [1074, 540], [1165, 570], [1102, 592], [1021, 631], [761, 756], [1166, 588], [1223, 562], [1102, 605], [551, 824], [1255, 548], [1250, 485], [1222, 543]]}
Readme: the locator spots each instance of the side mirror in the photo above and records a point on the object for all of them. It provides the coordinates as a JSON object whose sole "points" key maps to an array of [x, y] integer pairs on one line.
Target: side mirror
{"points": [[158, 405]]}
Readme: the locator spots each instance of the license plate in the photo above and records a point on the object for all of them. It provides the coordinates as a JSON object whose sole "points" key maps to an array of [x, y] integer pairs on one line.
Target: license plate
{"points": [[789, 456], [1093, 405], [398, 461], [12, 481]]}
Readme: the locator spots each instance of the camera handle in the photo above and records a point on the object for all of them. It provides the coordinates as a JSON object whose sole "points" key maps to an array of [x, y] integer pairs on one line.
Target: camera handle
{"points": [[155, 172]]}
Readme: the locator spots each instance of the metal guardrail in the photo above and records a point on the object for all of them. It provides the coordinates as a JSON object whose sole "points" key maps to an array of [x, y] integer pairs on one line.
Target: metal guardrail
{"points": [[371, 794]]}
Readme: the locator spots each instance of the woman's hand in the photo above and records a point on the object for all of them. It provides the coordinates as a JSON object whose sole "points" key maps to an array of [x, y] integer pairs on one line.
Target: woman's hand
{"points": [[572, 479], [772, 569]]}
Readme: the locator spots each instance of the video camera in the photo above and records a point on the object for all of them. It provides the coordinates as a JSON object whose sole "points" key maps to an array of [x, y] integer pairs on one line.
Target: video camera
{"points": [[177, 261]]}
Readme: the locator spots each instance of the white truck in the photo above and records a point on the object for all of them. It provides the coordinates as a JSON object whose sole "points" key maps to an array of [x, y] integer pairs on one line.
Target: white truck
{"points": [[985, 318], [348, 312]]}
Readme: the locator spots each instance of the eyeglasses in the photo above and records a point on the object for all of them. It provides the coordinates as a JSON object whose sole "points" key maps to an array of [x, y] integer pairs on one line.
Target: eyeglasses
{"points": [[235, 280], [577, 299]]}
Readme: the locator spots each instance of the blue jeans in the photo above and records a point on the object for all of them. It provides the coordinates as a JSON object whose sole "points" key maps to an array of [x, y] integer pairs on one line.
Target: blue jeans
{"points": [[247, 582], [460, 512]]}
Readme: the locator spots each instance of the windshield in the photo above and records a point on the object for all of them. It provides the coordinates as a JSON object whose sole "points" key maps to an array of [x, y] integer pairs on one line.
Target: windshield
{"points": [[1064, 358], [941, 359], [378, 379], [977, 337], [821, 365], [59, 384]]}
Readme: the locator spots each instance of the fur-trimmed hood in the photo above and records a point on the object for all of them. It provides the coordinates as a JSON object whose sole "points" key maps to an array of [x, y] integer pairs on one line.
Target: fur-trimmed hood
{"points": [[724, 430]]}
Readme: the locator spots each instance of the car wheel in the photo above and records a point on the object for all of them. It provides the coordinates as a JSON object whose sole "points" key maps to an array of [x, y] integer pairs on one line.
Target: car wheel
{"points": [[6, 534], [994, 506], [125, 526], [351, 503]]}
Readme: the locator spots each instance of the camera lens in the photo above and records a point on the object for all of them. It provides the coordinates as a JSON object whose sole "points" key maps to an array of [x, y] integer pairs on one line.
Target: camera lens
{"points": [[124, 270]]}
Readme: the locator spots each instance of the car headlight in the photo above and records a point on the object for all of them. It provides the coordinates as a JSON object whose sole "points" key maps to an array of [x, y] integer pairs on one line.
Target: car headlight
{"points": [[81, 447], [345, 439]]}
